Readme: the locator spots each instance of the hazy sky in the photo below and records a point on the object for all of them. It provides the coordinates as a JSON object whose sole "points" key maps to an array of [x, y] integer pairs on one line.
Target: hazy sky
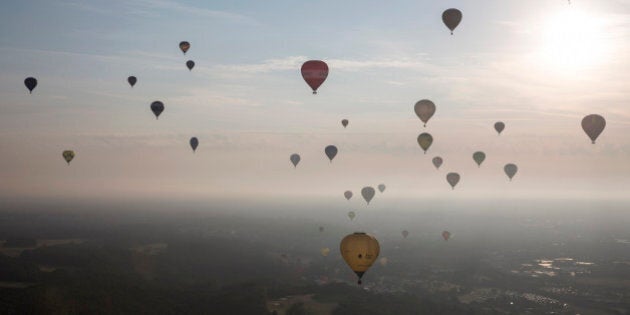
{"points": [[539, 66]]}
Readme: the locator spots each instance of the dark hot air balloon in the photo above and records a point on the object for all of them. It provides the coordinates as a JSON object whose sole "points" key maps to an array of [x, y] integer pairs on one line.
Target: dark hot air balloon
{"points": [[132, 80], [593, 125], [68, 155], [314, 73], [30, 83], [184, 46], [499, 126], [190, 64], [331, 152], [451, 18], [347, 194], [425, 140], [479, 157], [295, 159], [437, 162], [424, 110], [510, 170], [344, 123], [452, 179], [194, 143], [368, 193], [157, 108]]}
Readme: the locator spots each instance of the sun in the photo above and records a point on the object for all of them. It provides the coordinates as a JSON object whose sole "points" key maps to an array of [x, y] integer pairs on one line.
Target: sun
{"points": [[573, 39]]}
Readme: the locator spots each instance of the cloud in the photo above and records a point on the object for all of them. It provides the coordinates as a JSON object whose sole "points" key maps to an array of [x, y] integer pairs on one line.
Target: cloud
{"points": [[151, 7]]}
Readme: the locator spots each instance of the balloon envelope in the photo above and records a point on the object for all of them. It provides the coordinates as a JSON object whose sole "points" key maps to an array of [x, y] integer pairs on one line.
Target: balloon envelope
{"points": [[593, 125], [132, 80], [446, 235], [331, 152], [68, 155], [30, 83], [437, 162], [499, 126], [184, 46], [351, 215], [405, 233], [325, 251], [510, 170], [425, 110], [194, 143], [157, 108], [347, 194], [359, 250], [295, 159], [451, 18], [190, 64], [452, 179], [381, 187], [479, 157], [321, 229], [367, 193], [344, 122], [425, 140], [314, 73]]}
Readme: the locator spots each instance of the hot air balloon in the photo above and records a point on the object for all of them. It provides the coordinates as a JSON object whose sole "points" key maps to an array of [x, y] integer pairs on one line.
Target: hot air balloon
{"points": [[184, 46], [499, 126], [351, 215], [295, 159], [331, 152], [190, 64], [425, 140], [437, 162], [451, 18], [30, 83], [425, 110], [593, 125], [321, 229], [367, 193], [383, 261], [452, 179], [344, 122], [405, 233], [325, 251], [347, 194], [381, 187], [68, 155], [479, 157], [314, 73], [446, 235], [194, 143], [157, 108], [132, 80], [359, 250], [510, 170]]}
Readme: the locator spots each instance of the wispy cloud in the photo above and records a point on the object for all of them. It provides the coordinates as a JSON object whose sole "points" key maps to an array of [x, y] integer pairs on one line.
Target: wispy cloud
{"points": [[152, 7]]}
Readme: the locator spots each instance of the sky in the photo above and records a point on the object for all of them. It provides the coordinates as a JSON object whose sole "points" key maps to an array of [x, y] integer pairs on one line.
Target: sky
{"points": [[539, 66]]}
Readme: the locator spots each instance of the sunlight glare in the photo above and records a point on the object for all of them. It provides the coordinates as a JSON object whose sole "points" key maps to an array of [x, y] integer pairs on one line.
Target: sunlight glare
{"points": [[573, 39]]}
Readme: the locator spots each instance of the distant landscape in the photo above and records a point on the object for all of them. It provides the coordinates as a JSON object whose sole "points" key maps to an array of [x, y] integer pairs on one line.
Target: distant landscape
{"points": [[146, 258]]}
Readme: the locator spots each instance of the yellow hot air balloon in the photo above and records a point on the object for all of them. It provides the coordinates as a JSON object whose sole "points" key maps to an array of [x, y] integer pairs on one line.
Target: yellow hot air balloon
{"points": [[325, 251], [359, 250]]}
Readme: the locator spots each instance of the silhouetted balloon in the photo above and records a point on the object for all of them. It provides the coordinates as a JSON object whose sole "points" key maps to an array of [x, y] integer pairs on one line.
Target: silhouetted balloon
{"points": [[452, 179], [359, 250], [368, 193], [425, 140], [194, 142], [451, 18], [425, 110], [132, 80], [510, 170], [314, 73], [190, 64], [325, 251], [351, 215], [344, 122], [499, 126], [405, 233], [157, 108], [68, 155], [184, 46], [437, 162], [593, 125], [295, 159], [347, 194], [331, 152], [321, 229], [381, 187], [30, 83], [479, 157], [446, 235]]}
